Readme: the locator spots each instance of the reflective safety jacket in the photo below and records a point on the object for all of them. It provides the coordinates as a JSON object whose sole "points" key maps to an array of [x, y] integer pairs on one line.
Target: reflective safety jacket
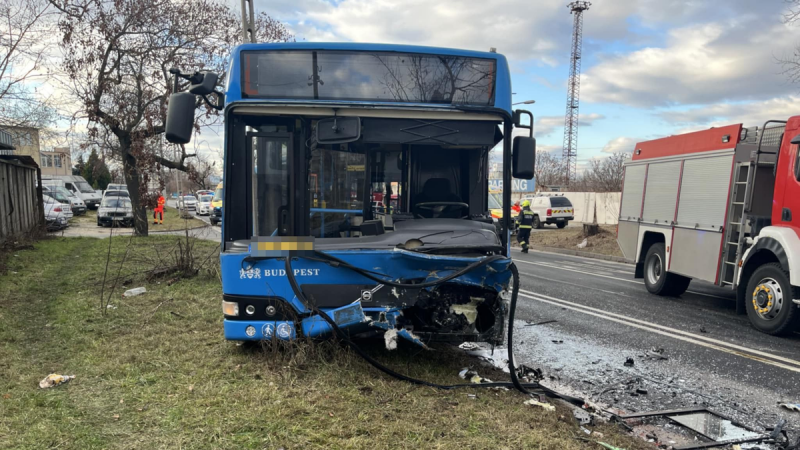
{"points": [[526, 218]]}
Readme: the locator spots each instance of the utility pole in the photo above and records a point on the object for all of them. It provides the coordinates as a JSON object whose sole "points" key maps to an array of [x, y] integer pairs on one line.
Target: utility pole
{"points": [[570, 149]]}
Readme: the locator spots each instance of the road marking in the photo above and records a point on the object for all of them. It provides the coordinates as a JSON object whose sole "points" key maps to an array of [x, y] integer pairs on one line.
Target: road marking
{"points": [[582, 258], [685, 336], [551, 266]]}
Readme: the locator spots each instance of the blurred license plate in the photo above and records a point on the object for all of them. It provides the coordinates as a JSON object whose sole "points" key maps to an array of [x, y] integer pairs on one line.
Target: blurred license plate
{"points": [[118, 218], [560, 219]]}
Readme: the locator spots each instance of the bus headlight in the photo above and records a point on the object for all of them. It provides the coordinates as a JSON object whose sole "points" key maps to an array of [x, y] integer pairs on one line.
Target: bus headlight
{"points": [[230, 308], [250, 310]]}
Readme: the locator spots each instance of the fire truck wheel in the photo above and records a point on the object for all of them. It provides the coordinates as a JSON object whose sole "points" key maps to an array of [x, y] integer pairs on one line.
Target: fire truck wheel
{"points": [[768, 300], [656, 279], [537, 223]]}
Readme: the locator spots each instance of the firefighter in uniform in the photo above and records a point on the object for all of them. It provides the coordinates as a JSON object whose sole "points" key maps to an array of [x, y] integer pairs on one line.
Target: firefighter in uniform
{"points": [[159, 210], [525, 224]]}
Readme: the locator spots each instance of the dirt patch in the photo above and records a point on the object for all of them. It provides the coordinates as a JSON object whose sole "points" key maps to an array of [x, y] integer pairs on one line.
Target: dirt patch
{"points": [[604, 242]]}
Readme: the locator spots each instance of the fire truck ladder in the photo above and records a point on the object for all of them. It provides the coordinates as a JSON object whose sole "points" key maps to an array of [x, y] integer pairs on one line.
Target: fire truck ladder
{"points": [[737, 219], [741, 200]]}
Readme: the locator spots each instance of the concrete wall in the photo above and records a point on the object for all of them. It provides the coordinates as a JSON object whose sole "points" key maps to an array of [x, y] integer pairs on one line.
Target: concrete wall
{"points": [[602, 206]]}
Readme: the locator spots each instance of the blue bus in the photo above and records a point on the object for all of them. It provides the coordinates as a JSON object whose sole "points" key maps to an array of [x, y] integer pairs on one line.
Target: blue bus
{"points": [[316, 136]]}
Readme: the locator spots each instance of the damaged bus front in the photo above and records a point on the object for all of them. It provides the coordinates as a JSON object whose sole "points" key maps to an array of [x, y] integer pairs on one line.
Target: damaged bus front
{"points": [[313, 134]]}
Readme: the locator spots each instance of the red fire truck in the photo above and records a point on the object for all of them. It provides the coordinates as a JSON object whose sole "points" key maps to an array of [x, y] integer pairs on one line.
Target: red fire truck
{"points": [[720, 205]]}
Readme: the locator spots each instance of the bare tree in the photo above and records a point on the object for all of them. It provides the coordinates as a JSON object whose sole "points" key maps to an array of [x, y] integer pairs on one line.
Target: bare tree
{"points": [[202, 171], [603, 175], [549, 169], [117, 55], [791, 63], [25, 30]]}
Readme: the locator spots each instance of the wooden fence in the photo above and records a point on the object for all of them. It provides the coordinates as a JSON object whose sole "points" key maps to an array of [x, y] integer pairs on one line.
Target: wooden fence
{"points": [[21, 209]]}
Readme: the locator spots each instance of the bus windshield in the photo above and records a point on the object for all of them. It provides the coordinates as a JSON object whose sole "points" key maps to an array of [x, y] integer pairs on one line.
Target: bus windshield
{"points": [[369, 76]]}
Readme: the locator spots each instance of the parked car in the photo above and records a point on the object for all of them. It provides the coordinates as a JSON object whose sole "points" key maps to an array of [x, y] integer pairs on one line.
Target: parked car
{"points": [[64, 196], [187, 202], [79, 187], [203, 192], [556, 210], [204, 205], [54, 214], [114, 211], [66, 211], [117, 187], [114, 194]]}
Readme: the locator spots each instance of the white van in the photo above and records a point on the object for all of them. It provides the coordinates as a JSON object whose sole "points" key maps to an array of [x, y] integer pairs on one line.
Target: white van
{"points": [[79, 187], [556, 210], [56, 189]]}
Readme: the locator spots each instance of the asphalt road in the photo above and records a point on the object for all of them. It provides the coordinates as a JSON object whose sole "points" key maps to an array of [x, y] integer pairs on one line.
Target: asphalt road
{"points": [[604, 316]]}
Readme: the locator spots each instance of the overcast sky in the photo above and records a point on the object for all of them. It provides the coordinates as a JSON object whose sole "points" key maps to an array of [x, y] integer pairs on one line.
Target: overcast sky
{"points": [[650, 68]]}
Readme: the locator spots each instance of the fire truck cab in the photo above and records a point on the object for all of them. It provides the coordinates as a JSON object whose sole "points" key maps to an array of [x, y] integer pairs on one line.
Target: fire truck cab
{"points": [[720, 205]]}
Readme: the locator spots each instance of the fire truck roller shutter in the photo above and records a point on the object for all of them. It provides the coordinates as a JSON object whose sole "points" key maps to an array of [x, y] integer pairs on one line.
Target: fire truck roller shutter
{"points": [[701, 214], [661, 193], [632, 191]]}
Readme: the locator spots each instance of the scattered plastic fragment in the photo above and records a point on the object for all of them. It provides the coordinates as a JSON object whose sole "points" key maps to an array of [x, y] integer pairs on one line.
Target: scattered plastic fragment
{"points": [[558, 341], [609, 446], [390, 338], [472, 376], [53, 380], [583, 417], [629, 362], [469, 346], [134, 292], [657, 354], [583, 244], [641, 391], [110, 306], [586, 430], [545, 406], [791, 406]]}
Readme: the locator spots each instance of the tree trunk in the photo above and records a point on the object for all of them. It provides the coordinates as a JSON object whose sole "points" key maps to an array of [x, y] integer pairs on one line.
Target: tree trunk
{"points": [[133, 181]]}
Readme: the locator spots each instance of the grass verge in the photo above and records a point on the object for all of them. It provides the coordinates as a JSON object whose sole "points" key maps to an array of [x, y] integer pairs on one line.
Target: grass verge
{"points": [[172, 220], [153, 371]]}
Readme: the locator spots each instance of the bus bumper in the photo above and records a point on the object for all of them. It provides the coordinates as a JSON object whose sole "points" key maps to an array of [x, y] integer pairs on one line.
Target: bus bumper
{"points": [[239, 330]]}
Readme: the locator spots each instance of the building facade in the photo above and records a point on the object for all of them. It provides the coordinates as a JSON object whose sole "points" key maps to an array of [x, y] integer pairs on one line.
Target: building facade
{"points": [[25, 141], [56, 162]]}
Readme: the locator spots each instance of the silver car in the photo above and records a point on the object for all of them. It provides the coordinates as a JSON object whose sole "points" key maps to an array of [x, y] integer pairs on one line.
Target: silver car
{"points": [[187, 202], [204, 205], [115, 211]]}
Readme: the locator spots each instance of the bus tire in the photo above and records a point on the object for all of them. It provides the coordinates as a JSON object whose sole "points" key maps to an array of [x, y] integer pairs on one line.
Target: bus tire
{"points": [[768, 300], [537, 223]]}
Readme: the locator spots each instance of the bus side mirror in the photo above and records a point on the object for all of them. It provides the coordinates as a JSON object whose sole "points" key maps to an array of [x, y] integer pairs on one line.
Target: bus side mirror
{"points": [[180, 118], [203, 83], [523, 157], [795, 140]]}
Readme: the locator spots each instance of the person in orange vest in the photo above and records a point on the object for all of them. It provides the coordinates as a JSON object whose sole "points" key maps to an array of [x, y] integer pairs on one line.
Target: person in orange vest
{"points": [[159, 210], [516, 208]]}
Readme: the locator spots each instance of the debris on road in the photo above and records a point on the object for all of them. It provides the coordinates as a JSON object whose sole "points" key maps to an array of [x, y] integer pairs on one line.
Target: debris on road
{"points": [[53, 380], [530, 323], [791, 406], [558, 341], [134, 292], [656, 354], [469, 346], [629, 362], [582, 416], [545, 406], [703, 330], [609, 446]]}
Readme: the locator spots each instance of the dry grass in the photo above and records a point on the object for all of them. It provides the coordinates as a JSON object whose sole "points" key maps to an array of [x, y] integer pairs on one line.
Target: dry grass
{"points": [[156, 373], [604, 242]]}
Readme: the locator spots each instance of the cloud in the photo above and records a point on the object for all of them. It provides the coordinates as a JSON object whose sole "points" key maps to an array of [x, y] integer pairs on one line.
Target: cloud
{"points": [[520, 29], [546, 125], [620, 144], [729, 60], [749, 114]]}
